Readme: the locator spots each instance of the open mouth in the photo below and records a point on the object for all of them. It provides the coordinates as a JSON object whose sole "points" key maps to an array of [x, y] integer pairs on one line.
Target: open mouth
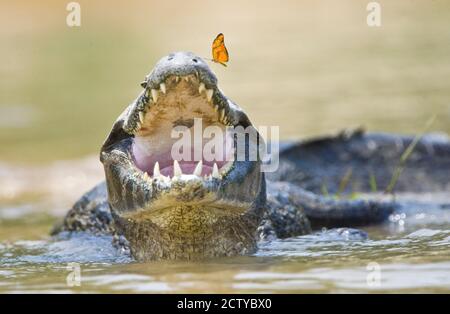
{"points": [[182, 129], [182, 146]]}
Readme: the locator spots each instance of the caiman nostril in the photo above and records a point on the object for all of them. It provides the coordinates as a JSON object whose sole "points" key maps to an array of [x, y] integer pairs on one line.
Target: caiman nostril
{"points": [[195, 60]]}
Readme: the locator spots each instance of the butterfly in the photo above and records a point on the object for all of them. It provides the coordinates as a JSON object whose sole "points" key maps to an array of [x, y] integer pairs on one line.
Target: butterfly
{"points": [[219, 51]]}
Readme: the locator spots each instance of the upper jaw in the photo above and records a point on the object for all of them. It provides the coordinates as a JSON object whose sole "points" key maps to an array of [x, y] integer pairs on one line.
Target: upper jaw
{"points": [[129, 121], [199, 74]]}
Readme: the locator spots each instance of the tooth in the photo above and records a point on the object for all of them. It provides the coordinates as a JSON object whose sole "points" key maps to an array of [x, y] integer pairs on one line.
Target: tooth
{"points": [[216, 108], [141, 116], [209, 94], [215, 172], [222, 114], [145, 176], [177, 79], [176, 169], [138, 126], [198, 169], [186, 78], [225, 120], [154, 95], [163, 87], [201, 88], [156, 172]]}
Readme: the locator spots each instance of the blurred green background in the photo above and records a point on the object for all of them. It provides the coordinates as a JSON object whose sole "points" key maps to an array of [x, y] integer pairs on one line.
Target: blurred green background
{"points": [[311, 67]]}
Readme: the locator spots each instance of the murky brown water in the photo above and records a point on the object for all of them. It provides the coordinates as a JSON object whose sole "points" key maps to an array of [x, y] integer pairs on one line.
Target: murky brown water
{"points": [[310, 67]]}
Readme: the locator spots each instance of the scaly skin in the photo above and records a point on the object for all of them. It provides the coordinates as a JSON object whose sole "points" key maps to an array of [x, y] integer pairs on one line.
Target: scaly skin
{"points": [[224, 214]]}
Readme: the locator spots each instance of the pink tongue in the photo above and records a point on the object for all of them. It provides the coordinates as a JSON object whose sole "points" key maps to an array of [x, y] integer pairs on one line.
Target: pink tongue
{"points": [[187, 168]]}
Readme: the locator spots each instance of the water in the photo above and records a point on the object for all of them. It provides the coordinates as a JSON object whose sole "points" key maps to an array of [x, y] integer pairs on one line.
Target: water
{"points": [[414, 262], [310, 67], [410, 252]]}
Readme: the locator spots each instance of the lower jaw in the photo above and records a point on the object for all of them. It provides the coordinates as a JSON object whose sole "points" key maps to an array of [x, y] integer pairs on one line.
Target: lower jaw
{"points": [[190, 236]]}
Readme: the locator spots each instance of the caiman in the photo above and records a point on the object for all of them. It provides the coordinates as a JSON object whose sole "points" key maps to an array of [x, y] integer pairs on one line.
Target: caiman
{"points": [[158, 207]]}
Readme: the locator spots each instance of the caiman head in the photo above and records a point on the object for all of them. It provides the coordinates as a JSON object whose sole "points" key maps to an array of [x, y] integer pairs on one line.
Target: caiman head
{"points": [[197, 205]]}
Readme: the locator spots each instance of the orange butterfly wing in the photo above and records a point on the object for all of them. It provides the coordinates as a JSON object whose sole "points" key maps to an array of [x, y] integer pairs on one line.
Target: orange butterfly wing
{"points": [[219, 51]]}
